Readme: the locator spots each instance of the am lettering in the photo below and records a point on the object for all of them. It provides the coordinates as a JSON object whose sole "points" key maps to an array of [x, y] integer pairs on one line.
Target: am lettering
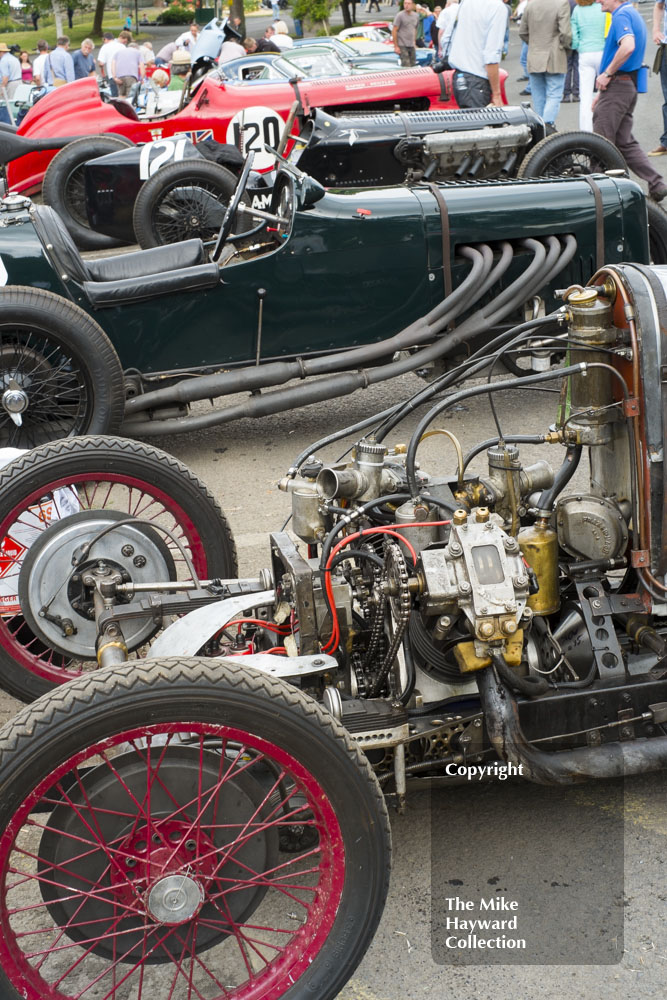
{"points": [[498, 903]]}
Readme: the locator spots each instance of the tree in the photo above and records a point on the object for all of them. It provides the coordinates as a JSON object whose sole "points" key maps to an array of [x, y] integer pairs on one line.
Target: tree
{"points": [[349, 17], [314, 12], [97, 20]]}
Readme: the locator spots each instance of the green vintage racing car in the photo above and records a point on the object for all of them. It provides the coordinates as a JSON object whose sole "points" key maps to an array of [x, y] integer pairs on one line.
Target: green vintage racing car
{"points": [[351, 286]]}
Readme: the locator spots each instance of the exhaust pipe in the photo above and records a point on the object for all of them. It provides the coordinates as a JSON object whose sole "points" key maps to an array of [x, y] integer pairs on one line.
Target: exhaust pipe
{"points": [[567, 767]]}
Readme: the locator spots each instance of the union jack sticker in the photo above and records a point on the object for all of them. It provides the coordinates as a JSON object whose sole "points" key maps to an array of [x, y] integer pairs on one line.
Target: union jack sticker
{"points": [[199, 135]]}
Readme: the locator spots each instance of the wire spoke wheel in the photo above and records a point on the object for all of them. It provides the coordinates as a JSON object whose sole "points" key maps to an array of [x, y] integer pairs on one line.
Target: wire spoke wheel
{"points": [[45, 389], [74, 196], [147, 485], [183, 201], [188, 212], [148, 864], [65, 190], [571, 154]]}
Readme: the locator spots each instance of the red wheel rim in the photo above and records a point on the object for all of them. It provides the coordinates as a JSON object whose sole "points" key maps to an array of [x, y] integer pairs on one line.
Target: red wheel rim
{"points": [[142, 500], [258, 958]]}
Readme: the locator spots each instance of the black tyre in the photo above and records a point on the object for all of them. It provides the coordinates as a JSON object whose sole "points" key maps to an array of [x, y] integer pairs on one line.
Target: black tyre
{"points": [[52, 484], [59, 372], [63, 187], [657, 233], [571, 154], [182, 201], [160, 858]]}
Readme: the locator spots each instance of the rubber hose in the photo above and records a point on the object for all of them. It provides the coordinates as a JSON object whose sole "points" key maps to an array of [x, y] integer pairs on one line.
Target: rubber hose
{"points": [[529, 686], [561, 479], [515, 383]]}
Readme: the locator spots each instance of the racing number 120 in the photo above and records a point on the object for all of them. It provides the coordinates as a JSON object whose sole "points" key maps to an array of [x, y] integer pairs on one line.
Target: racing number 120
{"points": [[247, 135]]}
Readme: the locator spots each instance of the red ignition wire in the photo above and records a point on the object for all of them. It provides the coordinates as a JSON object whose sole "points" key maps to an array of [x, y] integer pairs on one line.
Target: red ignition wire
{"points": [[384, 530], [280, 630]]}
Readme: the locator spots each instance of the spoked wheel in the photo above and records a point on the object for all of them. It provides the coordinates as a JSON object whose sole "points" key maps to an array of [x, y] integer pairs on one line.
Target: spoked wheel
{"points": [[148, 864], [571, 154], [59, 373], [65, 190], [183, 201], [58, 497]]}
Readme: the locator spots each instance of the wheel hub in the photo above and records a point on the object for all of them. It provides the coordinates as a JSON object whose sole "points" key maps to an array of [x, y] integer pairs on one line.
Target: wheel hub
{"points": [[15, 401], [175, 899]]}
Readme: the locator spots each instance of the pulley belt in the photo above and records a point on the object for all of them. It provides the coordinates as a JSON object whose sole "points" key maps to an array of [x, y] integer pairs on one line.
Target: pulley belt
{"points": [[444, 225], [599, 223]]}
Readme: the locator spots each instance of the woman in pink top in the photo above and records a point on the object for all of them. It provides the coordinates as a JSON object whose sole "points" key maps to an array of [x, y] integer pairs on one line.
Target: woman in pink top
{"points": [[26, 68]]}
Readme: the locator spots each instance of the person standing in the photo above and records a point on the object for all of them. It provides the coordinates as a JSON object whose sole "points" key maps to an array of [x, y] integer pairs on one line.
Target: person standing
{"points": [[660, 38], [61, 62], [615, 103], [281, 37], [84, 63], [545, 26], [126, 65], [188, 39], [41, 71], [404, 33], [10, 70], [26, 67], [571, 85], [475, 48], [588, 24]]}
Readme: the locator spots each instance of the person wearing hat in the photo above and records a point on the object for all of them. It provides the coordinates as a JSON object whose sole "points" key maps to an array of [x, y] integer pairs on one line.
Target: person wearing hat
{"points": [[10, 71], [180, 67]]}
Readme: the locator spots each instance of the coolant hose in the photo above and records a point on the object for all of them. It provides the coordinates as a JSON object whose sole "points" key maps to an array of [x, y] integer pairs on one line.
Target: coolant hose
{"points": [[568, 468], [563, 767]]}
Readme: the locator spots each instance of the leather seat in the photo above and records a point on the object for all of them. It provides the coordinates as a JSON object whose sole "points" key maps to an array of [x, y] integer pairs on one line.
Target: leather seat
{"points": [[178, 267]]}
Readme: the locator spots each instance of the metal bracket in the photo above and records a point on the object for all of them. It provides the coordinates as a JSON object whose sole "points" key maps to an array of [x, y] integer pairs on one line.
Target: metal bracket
{"points": [[631, 407], [597, 610], [639, 557]]}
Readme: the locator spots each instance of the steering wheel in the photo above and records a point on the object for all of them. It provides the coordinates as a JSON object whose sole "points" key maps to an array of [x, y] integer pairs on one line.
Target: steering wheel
{"points": [[232, 208]]}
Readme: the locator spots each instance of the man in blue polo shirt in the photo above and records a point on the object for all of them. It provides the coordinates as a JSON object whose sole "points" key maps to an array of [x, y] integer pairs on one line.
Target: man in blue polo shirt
{"points": [[615, 103]]}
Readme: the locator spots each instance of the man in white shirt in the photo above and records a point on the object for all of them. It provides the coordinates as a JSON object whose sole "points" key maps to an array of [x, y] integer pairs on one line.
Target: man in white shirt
{"points": [[444, 24], [41, 71], [109, 48], [189, 38], [475, 50]]}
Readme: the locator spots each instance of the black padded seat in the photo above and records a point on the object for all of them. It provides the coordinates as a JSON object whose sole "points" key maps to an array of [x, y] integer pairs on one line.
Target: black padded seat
{"points": [[178, 267], [146, 262]]}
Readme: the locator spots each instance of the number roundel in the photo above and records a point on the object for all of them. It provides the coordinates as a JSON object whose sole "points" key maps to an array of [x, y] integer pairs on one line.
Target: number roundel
{"points": [[252, 128]]}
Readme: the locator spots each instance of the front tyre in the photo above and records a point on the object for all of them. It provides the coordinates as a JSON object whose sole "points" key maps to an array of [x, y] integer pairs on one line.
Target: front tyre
{"points": [[182, 201], [149, 861], [48, 486], [59, 372], [571, 154], [64, 187]]}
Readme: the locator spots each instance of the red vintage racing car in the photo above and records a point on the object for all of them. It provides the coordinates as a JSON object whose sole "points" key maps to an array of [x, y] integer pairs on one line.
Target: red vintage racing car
{"points": [[249, 114]]}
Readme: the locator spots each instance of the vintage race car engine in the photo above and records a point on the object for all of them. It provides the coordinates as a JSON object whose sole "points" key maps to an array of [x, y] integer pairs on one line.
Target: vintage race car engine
{"points": [[370, 149], [509, 607]]}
